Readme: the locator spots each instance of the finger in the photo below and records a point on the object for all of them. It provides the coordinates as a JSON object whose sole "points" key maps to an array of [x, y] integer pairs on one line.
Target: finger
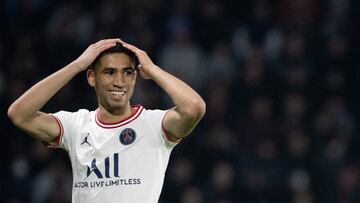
{"points": [[107, 41], [123, 42], [129, 46], [110, 40], [113, 40], [106, 46]]}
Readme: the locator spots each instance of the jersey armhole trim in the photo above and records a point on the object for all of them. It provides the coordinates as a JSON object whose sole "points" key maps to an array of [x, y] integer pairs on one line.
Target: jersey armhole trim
{"points": [[167, 134], [58, 138]]}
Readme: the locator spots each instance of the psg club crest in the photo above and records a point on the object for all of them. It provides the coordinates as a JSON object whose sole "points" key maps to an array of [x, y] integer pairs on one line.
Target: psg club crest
{"points": [[127, 136]]}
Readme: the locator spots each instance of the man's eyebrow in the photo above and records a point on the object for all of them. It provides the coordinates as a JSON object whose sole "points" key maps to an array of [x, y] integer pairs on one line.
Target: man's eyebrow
{"points": [[128, 68], [120, 68], [108, 69]]}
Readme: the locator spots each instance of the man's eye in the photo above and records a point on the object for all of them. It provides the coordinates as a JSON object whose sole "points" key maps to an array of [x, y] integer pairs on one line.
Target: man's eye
{"points": [[109, 72], [128, 72]]}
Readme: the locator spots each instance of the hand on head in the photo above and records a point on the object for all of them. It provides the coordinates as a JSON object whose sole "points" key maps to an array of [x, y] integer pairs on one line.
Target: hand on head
{"points": [[146, 64], [90, 54]]}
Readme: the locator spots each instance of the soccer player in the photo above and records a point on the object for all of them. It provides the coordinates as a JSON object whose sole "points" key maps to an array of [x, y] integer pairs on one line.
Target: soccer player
{"points": [[119, 152]]}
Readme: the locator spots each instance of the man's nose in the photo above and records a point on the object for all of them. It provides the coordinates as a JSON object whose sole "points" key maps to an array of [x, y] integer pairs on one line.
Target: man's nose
{"points": [[118, 80]]}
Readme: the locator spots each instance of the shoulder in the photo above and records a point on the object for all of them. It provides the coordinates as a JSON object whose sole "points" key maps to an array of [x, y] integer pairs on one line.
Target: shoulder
{"points": [[154, 112], [80, 112], [151, 115], [154, 116], [69, 116], [143, 111]]}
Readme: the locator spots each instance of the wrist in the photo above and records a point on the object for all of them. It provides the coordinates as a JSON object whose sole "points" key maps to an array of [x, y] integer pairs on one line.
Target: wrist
{"points": [[77, 66], [154, 70]]}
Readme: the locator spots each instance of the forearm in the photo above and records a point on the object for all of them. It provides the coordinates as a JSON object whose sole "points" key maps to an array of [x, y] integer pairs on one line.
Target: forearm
{"points": [[183, 96], [36, 97]]}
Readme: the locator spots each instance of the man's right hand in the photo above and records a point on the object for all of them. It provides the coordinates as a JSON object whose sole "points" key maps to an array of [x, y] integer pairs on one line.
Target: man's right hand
{"points": [[25, 111], [90, 54]]}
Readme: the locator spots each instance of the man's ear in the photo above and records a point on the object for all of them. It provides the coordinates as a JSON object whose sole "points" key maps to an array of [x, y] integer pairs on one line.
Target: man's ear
{"points": [[136, 73], [90, 74]]}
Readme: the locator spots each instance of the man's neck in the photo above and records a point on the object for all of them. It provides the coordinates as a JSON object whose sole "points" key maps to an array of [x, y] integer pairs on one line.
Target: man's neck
{"points": [[107, 116]]}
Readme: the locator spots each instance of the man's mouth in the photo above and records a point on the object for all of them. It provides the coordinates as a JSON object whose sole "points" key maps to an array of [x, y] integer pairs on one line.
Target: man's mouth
{"points": [[113, 92]]}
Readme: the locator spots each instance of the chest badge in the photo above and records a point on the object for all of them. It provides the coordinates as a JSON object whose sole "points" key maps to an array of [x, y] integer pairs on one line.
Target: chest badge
{"points": [[127, 136]]}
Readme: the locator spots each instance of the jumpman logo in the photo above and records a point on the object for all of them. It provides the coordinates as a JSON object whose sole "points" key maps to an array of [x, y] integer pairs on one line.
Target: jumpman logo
{"points": [[86, 140]]}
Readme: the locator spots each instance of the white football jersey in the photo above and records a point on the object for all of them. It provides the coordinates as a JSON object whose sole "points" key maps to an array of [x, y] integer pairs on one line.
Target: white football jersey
{"points": [[115, 162]]}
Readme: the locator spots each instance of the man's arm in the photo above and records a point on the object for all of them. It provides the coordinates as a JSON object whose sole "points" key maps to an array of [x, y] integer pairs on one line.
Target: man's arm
{"points": [[25, 111], [189, 106]]}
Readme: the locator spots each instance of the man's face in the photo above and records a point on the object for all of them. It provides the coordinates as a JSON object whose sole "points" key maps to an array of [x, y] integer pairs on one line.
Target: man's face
{"points": [[114, 79]]}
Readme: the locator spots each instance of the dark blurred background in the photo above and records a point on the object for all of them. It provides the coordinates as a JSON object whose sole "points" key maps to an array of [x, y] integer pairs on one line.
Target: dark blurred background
{"points": [[280, 78]]}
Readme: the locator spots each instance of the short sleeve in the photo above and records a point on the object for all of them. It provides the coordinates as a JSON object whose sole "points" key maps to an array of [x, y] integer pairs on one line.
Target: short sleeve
{"points": [[156, 118], [66, 123]]}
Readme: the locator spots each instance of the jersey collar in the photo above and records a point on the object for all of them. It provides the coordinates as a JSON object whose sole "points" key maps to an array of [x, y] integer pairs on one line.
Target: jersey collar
{"points": [[138, 109]]}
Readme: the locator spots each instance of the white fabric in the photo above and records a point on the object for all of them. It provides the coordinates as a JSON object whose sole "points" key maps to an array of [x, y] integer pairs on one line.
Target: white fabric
{"points": [[104, 169]]}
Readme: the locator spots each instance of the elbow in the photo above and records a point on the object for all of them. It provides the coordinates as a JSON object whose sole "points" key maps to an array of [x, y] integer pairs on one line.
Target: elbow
{"points": [[201, 108], [197, 109], [14, 115]]}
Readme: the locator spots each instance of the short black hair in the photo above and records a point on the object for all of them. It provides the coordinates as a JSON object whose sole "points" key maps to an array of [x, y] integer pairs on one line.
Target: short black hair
{"points": [[118, 48]]}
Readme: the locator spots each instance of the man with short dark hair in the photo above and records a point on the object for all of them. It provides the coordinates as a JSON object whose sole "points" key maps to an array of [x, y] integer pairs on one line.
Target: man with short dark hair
{"points": [[119, 152]]}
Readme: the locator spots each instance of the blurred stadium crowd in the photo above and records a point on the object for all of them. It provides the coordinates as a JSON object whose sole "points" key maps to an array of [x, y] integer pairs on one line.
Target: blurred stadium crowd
{"points": [[280, 78]]}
